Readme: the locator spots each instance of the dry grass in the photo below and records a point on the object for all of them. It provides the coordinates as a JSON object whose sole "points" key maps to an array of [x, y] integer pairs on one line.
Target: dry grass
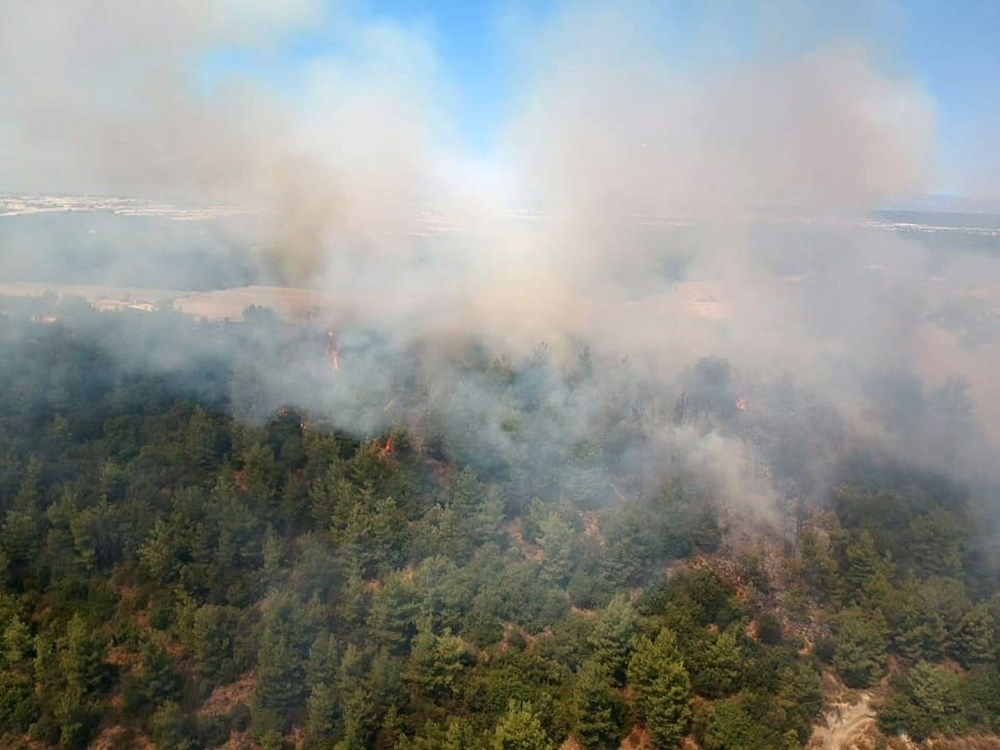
{"points": [[226, 697]]}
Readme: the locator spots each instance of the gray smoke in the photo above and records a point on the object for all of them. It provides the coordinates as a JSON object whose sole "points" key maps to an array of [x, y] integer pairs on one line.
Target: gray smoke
{"points": [[676, 211]]}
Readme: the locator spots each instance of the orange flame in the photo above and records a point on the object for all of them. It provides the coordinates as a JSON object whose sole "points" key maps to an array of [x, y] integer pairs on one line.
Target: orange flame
{"points": [[387, 451], [741, 404]]}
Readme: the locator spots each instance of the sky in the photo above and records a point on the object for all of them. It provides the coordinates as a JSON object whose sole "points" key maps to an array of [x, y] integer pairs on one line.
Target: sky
{"points": [[208, 85], [950, 49], [953, 50]]}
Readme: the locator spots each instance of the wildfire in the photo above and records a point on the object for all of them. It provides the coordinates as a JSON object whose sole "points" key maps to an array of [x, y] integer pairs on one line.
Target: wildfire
{"points": [[387, 451], [741, 404]]}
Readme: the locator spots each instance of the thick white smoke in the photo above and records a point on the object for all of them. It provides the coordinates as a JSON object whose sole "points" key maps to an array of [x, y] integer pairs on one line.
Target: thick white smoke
{"points": [[747, 175]]}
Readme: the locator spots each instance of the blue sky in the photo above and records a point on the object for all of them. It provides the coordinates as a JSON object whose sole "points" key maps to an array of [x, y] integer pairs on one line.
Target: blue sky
{"points": [[951, 49]]}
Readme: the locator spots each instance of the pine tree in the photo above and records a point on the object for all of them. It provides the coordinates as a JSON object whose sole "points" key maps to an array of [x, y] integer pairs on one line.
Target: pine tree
{"points": [[436, 663], [925, 701], [82, 658], [17, 703], [359, 720], [861, 648], [391, 617], [159, 678], [611, 638], [819, 567], [280, 684], [661, 688], [520, 729], [720, 673], [322, 716], [974, 644], [597, 707]]}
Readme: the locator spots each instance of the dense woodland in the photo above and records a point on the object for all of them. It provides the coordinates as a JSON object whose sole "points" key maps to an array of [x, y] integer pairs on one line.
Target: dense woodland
{"points": [[185, 566]]}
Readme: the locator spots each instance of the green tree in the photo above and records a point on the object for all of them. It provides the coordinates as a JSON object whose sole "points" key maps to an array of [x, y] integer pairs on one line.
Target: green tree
{"points": [[866, 569], [861, 644], [927, 701], [392, 615], [974, 644], [947, 597], [171, 727], [323, 706], [18, 708], [819, 565], [732, 727], [661, 689], [612, 636], [798, 700], [280, 681], [436, 664], [597, 707], [82, 658], [444, 592], [260, 477], [70, 673], [216, 643], [557, 539], [371, 537], [359, 720], [520, 729], [20, 540], [155, 680], [934, 544], [322, 716], [720, 667], [918, 631]]}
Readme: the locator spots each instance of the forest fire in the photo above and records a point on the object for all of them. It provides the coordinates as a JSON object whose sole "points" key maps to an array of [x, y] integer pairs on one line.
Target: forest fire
{"points": [[522, 513], [388, 450]]}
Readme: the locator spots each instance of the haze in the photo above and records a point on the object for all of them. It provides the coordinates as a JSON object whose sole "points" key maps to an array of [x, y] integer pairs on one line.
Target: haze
{"points": [[649, 202]]}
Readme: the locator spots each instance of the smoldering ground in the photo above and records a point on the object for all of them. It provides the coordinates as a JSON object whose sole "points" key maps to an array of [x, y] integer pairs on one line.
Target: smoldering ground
{"points": [[679, 211]]}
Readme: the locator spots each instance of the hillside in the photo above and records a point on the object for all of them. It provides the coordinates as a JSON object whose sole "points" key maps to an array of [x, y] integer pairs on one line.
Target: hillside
{"points": [[179, 576]]}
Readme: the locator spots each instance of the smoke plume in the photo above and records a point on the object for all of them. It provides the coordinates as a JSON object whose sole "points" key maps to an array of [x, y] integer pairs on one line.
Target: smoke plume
{"points": [[649, 211]]}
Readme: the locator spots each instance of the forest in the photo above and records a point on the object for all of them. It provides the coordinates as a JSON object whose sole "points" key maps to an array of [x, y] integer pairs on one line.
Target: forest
{"points": [[191, 560]]}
